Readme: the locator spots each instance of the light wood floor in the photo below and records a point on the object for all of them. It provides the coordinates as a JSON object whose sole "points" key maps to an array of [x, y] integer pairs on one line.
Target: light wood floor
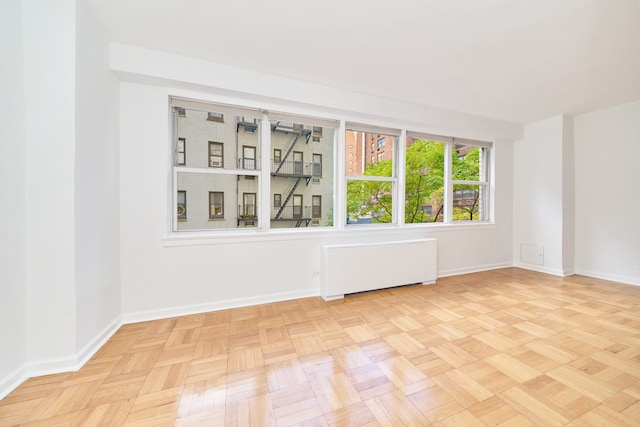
{"points": [[507, 347]]}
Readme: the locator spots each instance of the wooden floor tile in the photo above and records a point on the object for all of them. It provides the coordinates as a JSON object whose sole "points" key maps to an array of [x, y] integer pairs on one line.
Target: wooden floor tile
{"points": [[506, 347]]}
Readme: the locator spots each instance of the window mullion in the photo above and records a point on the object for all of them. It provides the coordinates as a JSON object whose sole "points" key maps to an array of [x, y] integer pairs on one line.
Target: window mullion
{"points": [[400, 164], [264, 181], [448, 183], [340, 189]]}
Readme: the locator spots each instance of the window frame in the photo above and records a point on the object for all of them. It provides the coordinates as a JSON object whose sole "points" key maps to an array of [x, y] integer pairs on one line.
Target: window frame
{"points": [[340, 176], [253, 212], [214, 116], [314, 198], [244, 158], [316, 171], [211, 155], [212, 203], [373, 134]]}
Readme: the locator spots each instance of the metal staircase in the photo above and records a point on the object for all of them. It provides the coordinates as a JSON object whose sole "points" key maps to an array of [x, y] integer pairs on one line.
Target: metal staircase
{"points": [[293, 173], [289, 194]]}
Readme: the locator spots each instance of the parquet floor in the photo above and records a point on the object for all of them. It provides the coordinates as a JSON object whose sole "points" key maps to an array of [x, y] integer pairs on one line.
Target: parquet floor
{"points": [[507, 347]]}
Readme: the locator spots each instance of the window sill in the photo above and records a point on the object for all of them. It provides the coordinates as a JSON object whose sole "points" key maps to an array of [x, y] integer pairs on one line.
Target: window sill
{"points": [[234, 236]]}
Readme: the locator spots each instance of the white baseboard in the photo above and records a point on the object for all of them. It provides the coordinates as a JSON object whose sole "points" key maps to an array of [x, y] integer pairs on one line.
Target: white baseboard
{"points": [[541, 269], [97, 342], [144, 316], [476, 269], [12, 381], [59, 365], [607, 276]]}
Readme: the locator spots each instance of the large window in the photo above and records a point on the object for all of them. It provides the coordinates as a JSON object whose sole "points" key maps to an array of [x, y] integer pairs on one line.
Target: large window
{"points": [[371, 175], [389, 176]]}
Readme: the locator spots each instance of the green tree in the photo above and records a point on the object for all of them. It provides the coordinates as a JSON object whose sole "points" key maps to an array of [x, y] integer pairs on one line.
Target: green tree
{"points": [[424, 186]]}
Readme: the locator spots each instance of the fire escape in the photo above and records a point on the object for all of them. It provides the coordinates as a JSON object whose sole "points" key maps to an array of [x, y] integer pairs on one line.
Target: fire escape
{"points": [[295, 170]]}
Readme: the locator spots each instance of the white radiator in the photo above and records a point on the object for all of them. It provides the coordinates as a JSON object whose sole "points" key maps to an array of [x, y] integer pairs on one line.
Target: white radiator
{"points": [[363, 267]]}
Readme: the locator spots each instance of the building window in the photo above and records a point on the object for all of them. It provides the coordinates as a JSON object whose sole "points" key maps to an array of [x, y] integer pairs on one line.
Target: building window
{"points": [[216, 204], [316, 207], [298, 158], [297, 206], [277, 155], [248, 157], [380, 142], [317, 164], [316, 135], [181, 151], [248, 205], [182, 205], [277, 200], [215, 117], [216, 154]]}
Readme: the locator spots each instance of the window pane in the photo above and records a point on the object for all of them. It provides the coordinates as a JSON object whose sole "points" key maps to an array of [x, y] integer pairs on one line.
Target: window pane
{"points": [[317, 164], [301, 167], [369, 202], [369, 154], [213, 143], [216, 158], [248, 157], [466, 163], [424, 184], [216, 205], [208, 193], [469, 202]]}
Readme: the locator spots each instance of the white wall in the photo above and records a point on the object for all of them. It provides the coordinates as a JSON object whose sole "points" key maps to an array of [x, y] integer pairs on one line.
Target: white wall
{"points": [[607, 153], [13, 226], [541, 195], [97, 260], [59, 249], [49, 79], [163, 277]]}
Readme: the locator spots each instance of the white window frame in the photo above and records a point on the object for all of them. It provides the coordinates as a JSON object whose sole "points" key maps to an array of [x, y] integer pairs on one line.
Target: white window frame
{"points": [[396, 134], [263, 119]]}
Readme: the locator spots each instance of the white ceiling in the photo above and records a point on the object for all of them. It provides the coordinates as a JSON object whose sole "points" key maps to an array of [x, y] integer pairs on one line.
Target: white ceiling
{"points": [[513, 60]]}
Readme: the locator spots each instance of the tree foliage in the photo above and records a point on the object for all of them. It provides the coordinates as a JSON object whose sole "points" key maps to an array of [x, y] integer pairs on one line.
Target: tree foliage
{"points": [[424, 186]]}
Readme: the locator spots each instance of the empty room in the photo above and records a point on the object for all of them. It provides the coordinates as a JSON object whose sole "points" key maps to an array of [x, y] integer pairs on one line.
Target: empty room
{"points": [[320, 213]]}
